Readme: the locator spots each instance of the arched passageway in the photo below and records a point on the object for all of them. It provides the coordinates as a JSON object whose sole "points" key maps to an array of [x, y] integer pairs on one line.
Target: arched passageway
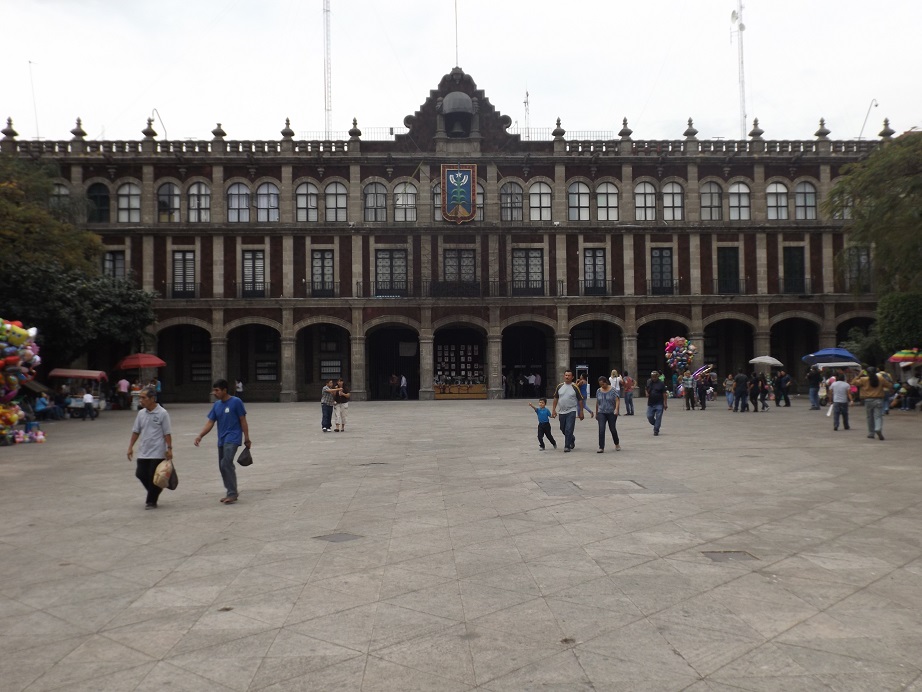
{"points": [[391, 350]]}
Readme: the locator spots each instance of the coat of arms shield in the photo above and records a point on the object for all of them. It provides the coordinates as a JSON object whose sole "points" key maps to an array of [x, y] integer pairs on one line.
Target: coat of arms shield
{"points": [[459, 192]]}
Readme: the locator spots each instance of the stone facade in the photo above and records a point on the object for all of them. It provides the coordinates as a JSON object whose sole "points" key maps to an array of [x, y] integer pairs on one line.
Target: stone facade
{"points": [[283, 261]]}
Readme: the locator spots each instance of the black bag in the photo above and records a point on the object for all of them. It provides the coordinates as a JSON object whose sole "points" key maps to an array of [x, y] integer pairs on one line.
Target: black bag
{"points": [[245, 458]]}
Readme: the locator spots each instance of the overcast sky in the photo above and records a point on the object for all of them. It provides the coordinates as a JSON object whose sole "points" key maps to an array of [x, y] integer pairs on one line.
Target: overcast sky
{"points": [[249, 64]]}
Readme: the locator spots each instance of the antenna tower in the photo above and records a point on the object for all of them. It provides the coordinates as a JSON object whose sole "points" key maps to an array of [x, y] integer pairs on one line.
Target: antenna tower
{"points": [[527, 135], [327, 74], [737, 18]]}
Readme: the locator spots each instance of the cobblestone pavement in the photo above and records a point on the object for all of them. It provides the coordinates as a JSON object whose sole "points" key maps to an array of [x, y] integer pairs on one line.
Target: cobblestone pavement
{"points": [[433, 547]]}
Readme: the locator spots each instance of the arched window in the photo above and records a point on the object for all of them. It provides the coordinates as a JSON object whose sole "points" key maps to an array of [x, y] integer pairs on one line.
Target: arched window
{"points": [[335, 202], [306, 198], [712, 202], [776, 201], [804, 201], [539, 202], [375, 195], [267, 203], [405, 202], [606, 200], [578, 202], [59, 196], [510, 202], [199, 199], [98, 197], [437, 202], [129, 203], [673, 202], [168, 203], [739, 202], [238, 203], [644, 202]]}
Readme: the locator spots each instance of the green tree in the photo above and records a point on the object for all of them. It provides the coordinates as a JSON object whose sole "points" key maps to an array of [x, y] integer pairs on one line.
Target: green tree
{"points": [[882, 198], [899, 321], [50, 272], [34, 224], [865, 345]]}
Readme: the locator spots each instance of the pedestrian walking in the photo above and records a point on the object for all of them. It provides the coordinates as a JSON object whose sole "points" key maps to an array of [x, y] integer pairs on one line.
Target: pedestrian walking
{"points": [[231, 416], [872, 388], [782, 384], [153, 432], [627, 395], [657, 396], [89, 405], [327, 399], [340, 406], [403, 388], [607, 408], [238, 389], [567, 398], [841, 399], [544, 423], [688, 390], [729, 386]]}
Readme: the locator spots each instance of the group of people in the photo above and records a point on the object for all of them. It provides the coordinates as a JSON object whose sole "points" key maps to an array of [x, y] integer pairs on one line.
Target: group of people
{"points": [[397, 387], [754, 389], [152, 432], [125, 390], [870, 388], [56, 407], [334, 403], [570, 402], [522, 384]]}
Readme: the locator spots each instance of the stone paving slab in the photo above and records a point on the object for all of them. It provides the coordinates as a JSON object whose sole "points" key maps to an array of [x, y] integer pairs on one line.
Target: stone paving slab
{"points": [[432, 546]]}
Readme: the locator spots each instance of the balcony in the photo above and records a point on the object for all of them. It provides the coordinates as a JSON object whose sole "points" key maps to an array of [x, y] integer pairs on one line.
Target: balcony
{"points": [[598, 287], [390, 289], [796, 285], [663, 287], [452, 289], [253, 289], [729, 287], [320, 289], [183, 291]]}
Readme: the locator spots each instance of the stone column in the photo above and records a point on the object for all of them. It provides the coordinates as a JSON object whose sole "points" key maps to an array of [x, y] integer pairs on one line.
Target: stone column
{"points": [[289, 383], [218, 357], [426, 365], [629, 342], [357, 346], [494, 364], [218, 345], [696, 335], [762, 341], [827, 337]]}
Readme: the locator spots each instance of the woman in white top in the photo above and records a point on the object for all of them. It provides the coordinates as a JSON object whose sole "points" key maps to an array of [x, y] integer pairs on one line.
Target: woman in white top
{"points": [[615, 381]]}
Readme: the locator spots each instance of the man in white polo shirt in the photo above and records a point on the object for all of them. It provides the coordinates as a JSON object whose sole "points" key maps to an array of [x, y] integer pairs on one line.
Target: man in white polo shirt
{"points": [[566, 404], [152, 428]]}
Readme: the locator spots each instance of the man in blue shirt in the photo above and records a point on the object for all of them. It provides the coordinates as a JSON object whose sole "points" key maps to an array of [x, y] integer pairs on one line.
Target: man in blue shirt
{"points": [[231, 416]]}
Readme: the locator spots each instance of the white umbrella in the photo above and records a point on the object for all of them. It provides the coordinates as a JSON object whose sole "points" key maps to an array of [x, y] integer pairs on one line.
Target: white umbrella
{"points": [[766, 360]]}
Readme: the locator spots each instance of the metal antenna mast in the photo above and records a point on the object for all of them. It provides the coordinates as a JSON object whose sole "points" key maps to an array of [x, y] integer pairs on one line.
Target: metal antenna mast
{"points": [[737, 18], [327, 74], [526, 115]]}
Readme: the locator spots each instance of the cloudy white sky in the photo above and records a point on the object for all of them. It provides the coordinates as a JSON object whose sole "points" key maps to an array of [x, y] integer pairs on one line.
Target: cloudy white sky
{"points": [[249, 64]]}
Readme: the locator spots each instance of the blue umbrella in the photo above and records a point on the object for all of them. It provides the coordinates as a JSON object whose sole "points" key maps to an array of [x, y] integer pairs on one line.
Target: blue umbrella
{"points": [[829, 355]]}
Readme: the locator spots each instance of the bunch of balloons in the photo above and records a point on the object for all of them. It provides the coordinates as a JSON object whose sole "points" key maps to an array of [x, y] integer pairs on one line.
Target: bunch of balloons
{"points": [[680, 353], [18, 360]]}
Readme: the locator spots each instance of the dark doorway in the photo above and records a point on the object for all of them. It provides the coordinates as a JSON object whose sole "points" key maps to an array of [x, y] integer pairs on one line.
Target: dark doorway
{"points": [[525, 352], [392, 350]]}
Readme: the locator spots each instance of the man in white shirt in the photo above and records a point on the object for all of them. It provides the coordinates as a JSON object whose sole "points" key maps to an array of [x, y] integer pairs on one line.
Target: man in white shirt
{"points": [[566, 403], [152, 428], [841, 399]]}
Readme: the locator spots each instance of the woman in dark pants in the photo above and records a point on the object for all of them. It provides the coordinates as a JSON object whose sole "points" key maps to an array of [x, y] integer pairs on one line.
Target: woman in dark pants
{"points": [[607, 407]]}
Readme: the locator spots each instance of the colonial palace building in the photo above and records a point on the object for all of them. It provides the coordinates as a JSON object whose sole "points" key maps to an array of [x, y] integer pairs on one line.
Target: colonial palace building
{"points": [[457, 253]]}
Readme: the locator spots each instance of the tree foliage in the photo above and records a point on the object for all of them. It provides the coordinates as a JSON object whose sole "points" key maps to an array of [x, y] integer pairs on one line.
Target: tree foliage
{"points": [[899, 321], [32, 227], [866, 345], [50, 272], [882, 196]]}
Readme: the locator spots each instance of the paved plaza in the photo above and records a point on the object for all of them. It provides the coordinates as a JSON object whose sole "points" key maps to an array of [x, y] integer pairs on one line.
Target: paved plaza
{"points": [[432, 547]]}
